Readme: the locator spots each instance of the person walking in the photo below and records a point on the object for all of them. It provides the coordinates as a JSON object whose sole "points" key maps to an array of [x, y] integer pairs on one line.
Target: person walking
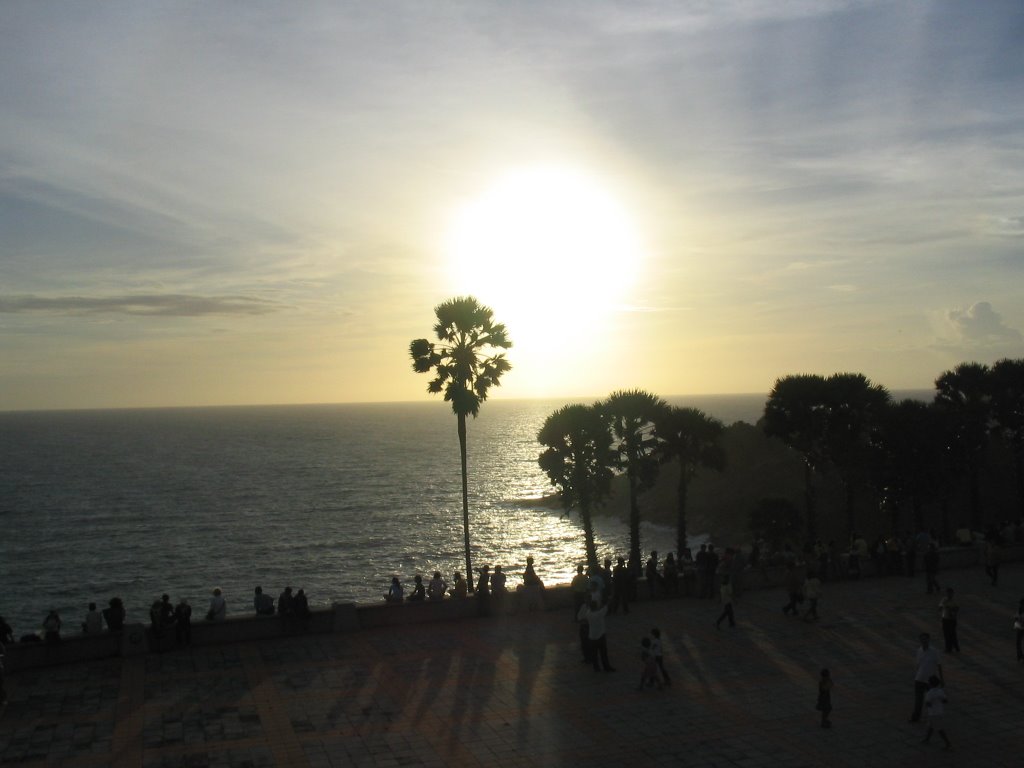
{"points": [[992, 559], [659, 655], [929, 664], [725, 593], [935, 704], [949, 610]]}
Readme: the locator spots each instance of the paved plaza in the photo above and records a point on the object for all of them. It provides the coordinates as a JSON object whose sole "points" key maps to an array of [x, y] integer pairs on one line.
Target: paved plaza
{"points": [[512, 691]]}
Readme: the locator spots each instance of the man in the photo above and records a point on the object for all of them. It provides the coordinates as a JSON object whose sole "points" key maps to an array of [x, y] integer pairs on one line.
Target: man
{"points": [[620, 587], [929, 663], [594, 615]]}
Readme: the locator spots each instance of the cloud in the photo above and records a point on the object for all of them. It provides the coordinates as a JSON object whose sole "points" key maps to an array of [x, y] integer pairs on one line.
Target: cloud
{"points": [[162, 305], [982, 324]]}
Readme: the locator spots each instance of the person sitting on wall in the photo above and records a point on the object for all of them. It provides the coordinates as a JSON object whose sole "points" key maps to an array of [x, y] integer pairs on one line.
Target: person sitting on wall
{"points": [[437, 588], [263, 603], [395, 593]]}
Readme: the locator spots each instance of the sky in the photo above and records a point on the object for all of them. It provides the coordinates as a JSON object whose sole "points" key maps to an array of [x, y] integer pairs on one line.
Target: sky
{"points": [[263, 202]]}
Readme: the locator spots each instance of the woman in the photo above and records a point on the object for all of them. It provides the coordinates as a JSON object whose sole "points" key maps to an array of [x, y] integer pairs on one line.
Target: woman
{"points": [[218, 607]]}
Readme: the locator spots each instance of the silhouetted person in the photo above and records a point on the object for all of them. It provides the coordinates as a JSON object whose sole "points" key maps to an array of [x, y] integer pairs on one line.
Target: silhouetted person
{"points": [[262, 603], [93, 624], [652, 575], [218, 607], [670, 575], [929, 664], [725, 593], [51, 626], [301, 610], [6, 633], [483, 591], [183, 622], [286, 606], [620, 587], [437, 588], [419, 592], [395, 593], [114, 615]]}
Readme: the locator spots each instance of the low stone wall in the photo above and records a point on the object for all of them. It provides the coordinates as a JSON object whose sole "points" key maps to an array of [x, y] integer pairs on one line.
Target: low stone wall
{"points": [[138, 639]]}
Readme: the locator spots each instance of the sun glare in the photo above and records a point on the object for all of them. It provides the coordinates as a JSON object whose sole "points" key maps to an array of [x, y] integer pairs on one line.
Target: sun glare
{"points": [[551, 250]]}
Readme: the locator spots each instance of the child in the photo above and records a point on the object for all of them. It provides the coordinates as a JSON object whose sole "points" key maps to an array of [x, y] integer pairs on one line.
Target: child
{"points": [[649, 670], [935, 705], [656, 652], [825, 698]]}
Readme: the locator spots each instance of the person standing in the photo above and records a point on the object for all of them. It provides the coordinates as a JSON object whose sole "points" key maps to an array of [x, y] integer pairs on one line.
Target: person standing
{"points": [[498, 590], [218, 607], [51, 626], [580, 588], [950, 611], [93, 624], [594, 614], [483, 591], [533, 588], [183, 622], [929, 664], [725, 593], [659, 655], [620, 587]]}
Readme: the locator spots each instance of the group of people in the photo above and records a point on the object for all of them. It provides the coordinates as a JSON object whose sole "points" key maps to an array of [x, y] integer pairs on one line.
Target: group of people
{"points": [[490, 587], [292, 607]]}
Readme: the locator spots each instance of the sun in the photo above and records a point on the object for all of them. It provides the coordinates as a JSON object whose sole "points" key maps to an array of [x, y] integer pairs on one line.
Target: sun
{"points": [[550, 249]]}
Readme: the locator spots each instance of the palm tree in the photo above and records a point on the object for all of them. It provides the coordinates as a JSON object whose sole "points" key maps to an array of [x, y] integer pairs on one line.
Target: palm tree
{"points": [[466, 367], [632, 414], [1008, 408], [691, 437], [578, 462], [965, 395]]}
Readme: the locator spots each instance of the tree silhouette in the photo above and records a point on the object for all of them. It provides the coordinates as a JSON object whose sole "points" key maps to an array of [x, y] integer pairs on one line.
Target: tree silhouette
{"points": [[965, 395], [796, 412], [632, 414], [855, 411], [691, 437], [578, 462], [1008, 409], [465, 367]]}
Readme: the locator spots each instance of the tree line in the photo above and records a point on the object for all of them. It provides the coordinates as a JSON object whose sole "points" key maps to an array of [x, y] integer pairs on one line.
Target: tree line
{"points": [[905, 453]]}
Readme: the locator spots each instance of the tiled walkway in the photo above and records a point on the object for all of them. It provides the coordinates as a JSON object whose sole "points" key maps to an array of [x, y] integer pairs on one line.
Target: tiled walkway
{"points": [[512, 691]]}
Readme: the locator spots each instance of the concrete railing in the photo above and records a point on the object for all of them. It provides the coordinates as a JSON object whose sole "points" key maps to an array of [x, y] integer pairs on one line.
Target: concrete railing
{"points": [[138, 639]]}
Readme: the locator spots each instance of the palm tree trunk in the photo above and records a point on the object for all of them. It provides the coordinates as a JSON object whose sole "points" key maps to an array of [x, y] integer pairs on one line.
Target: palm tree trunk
{"points": [[465, 498], [635, 557], [681, 495], [588, 536]]}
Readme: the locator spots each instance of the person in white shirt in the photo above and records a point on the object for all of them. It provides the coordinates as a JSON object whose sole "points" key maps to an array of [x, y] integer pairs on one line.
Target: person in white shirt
{"points": [[935, 704], [93, 624], [929, 664], [594, 614]]}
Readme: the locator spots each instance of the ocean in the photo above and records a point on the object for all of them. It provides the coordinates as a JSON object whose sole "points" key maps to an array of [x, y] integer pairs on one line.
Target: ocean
{"points": [[334, 499]]}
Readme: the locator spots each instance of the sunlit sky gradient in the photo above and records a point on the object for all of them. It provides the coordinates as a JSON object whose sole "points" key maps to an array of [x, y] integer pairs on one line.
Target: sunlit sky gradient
{"points": [[245, 202]]}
